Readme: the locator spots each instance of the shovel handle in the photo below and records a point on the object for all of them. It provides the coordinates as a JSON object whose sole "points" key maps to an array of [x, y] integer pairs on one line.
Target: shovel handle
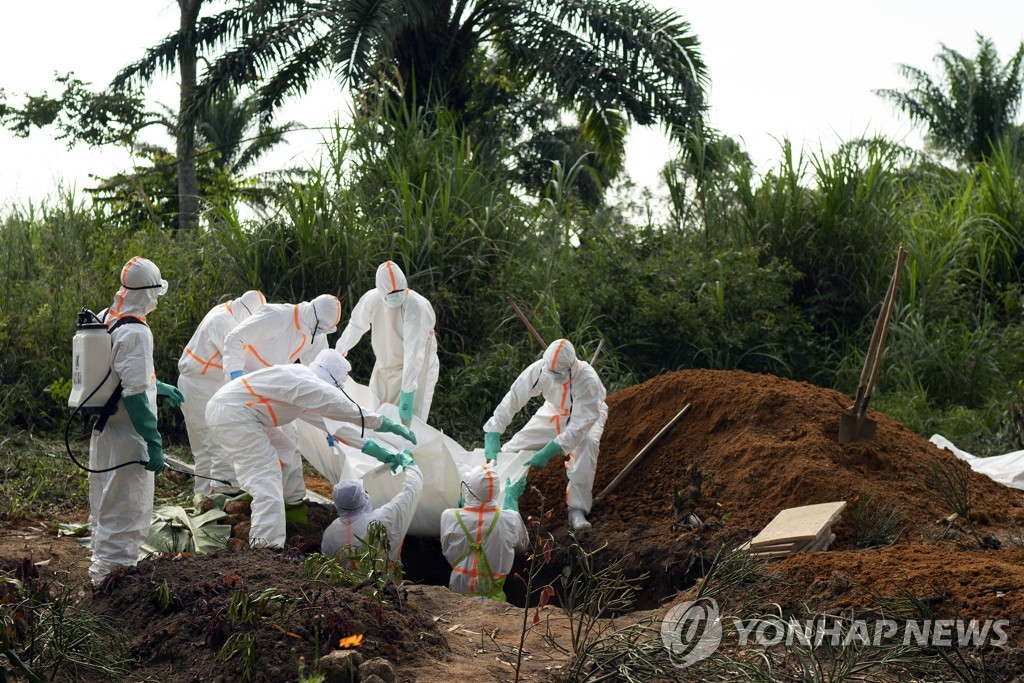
{"points": [[891, 303], [522, 316]]}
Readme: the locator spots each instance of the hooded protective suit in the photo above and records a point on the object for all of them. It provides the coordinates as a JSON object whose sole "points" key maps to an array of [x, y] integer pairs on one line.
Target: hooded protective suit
{"points": [[281, 333], [573, 416], [355, 514], [402, 337], [480, 540], [121, 501], [247, 417], [201, 369]]}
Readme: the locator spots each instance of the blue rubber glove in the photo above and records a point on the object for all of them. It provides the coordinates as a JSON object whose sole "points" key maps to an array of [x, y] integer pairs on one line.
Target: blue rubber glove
{"points": [[544, 455], [512, 494], [388, 425], [144, 421], [172, 393], [331, 441], [235, 374], [492, 445], [405, 406]]}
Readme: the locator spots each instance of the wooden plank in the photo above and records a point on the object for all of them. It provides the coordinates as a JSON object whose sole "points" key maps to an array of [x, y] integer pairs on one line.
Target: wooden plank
{"points": [[804, 523]]}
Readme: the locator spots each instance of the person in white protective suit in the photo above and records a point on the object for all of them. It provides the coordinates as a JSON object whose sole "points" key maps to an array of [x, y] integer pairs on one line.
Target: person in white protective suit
{"points": [[403, 341], [247, 417], [570, 421], [356, 513], [201, 374], [279, 334], [479, 540], [121, 500]]}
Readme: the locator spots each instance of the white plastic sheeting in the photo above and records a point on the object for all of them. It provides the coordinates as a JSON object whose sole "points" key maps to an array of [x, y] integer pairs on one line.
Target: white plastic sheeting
{"points": [[1007, 469], [441, 458]]}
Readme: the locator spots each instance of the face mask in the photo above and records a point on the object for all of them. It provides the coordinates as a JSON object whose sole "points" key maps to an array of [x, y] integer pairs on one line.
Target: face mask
{"points": [[557, 377], [394, 299], [151, 300]]}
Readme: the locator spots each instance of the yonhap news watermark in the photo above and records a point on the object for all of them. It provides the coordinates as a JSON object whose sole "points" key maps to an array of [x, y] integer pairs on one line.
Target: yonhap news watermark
{"points": [[693, 631]]}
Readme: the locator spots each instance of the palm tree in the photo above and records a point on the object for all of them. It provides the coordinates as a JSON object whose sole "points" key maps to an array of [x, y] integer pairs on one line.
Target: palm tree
{"points": [[971, 106], [605, 61]]}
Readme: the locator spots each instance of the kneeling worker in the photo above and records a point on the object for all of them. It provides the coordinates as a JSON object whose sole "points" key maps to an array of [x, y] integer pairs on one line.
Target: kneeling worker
{"points": [[479, 540], [246, 417]]}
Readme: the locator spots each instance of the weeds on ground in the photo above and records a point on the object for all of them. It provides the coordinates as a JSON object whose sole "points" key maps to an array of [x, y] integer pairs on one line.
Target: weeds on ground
{"points": [[366, 568], [876, 522], [950, 480], [45, 637]]}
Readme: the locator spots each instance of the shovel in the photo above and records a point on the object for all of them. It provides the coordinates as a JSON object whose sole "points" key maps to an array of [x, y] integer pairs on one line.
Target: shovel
{"points": [[853, 423]]}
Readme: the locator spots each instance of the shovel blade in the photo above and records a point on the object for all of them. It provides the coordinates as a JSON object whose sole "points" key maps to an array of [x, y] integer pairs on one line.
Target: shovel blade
{"points": [[853, 429]]}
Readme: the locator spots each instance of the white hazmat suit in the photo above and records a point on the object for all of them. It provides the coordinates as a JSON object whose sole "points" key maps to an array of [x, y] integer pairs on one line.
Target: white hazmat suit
{"points": [[572, 416], [281, 333], [480, 540], [403, 340], [201, 369], [247, 417], [356, 513], [121, 501]]}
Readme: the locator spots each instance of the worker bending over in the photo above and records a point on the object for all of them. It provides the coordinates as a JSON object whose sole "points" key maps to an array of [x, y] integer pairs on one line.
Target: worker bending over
{"points": [[570, 422], [248, 416]]}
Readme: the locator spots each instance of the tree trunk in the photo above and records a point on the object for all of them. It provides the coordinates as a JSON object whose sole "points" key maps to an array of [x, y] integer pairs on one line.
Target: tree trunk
{"points": [[188, 181]]}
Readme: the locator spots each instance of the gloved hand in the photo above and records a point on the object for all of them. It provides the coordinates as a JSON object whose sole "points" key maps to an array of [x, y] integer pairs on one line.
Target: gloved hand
{"points": [[235, 374], [331, 441], [512, 493], [389, 425], [144, 421], [492, 444], [405, 407], [375, 450], [173, 394], [544, 455], [403, 460]]}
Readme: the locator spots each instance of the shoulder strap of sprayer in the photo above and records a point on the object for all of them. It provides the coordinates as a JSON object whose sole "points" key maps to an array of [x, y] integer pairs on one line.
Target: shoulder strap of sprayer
{"points": [[110, 407]]}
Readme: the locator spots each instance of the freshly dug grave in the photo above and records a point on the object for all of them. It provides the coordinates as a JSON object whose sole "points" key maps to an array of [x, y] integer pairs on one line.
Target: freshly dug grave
{"points": [[762, 444]]}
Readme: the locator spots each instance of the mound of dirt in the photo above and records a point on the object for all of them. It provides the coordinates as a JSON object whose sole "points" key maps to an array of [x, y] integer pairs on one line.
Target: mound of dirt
{"points": [[763, 444], [259, 605]]}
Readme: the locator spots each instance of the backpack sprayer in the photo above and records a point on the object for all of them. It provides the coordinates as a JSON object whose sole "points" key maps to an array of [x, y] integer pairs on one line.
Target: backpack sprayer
{"points": [[95, 385]]}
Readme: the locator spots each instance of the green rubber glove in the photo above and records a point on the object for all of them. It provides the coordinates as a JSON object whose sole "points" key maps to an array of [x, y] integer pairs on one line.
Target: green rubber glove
{"points": [[544, 455], [387, 425], [405, 406], [144, 421], [403, 460], [512, 494], [172, 393], [375, 450], [492, 445]]}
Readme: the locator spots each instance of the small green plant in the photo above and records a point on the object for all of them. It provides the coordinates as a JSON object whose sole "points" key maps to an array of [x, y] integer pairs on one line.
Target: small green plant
{"points": [[244, 645], [162, 598], [876, 522], [950, 480], [364, 567]]}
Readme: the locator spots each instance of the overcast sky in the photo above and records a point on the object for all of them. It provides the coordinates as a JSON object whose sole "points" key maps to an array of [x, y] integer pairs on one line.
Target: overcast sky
{"points": [[802, 69]]}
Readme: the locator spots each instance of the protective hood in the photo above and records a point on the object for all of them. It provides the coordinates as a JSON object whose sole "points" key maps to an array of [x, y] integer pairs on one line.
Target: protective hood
{"points": [[560, 359], [141, 285], [480, 486], [390, 279], [350, 498], [246, 305], [331, 367], [320, 316]]}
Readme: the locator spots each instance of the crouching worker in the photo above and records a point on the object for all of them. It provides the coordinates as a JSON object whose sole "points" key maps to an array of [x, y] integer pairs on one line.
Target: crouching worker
{"points": [[479, 540], [356, 513], [247, 416], [120, 488]]}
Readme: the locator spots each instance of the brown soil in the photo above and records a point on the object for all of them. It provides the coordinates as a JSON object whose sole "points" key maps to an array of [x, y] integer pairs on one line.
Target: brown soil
{"points": [[763, 444]]}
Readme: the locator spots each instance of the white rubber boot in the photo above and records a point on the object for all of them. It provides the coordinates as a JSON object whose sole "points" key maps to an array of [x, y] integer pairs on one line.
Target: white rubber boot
{"points": [[577, 520]]}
